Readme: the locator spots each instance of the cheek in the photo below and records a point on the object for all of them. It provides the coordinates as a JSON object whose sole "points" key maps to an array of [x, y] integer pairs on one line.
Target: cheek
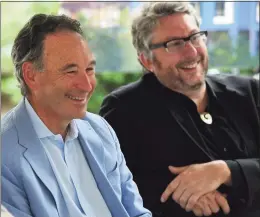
{"points": [[93, 81], [173, 60], [202, 51], [166, 62], [64, 82], [42, 81], [45, 86]]}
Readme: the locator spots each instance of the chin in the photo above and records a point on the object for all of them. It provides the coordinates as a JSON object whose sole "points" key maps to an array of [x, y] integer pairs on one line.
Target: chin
{"points": [[197, 85], [194, 83], [79, 115]]}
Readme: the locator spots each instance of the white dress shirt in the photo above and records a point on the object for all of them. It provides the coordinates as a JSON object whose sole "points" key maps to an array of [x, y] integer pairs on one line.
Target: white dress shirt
{"points": [[71, 169]]}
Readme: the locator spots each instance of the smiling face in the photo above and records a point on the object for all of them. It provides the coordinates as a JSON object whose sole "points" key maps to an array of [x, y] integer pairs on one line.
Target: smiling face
{"points": [[183, 70], [62, 90]]}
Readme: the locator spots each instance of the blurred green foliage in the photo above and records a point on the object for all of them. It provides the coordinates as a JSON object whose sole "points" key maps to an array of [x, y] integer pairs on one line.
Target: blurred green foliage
{"points": [[106, 83], [13, 17], [112, 46], [225, 52]]}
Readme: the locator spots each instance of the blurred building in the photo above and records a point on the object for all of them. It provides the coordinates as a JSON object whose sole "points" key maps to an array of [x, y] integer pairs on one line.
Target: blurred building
{"points": [[234, 18], [104, 14], [220, 17]]}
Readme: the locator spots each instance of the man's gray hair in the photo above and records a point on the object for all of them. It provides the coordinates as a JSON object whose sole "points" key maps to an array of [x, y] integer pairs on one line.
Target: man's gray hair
{"points": [[145, 23]]}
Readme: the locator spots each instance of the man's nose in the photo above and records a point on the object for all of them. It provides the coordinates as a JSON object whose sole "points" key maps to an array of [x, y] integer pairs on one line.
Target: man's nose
{"points": [[190, 49], [84, 82]]}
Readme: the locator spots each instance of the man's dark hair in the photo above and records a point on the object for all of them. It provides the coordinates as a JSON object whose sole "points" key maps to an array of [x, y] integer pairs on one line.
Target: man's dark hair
{"points": [[28, 45]]}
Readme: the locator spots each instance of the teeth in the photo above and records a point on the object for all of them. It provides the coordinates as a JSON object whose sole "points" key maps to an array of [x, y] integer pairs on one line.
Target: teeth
{"points": [[190, 66], [76, 98]]}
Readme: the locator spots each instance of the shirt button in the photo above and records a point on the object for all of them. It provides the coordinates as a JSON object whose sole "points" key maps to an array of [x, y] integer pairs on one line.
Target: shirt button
{"points": [[225, 149]]}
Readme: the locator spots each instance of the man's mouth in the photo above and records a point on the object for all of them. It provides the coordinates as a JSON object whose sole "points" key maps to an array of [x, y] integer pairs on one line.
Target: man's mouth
{"points": [[76, 98], [189, 66]]}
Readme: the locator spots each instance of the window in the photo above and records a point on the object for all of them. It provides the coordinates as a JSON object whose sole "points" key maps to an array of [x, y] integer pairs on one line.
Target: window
{"points": [[220, 8], [224, 13]]}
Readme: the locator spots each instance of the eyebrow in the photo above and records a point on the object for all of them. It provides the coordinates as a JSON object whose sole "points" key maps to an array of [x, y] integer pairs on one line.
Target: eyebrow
{"points": [[92, 62], [72, 65], [68, 66], [172, 37]]}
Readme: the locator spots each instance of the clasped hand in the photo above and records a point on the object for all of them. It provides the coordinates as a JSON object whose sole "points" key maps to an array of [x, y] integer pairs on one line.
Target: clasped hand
{"points": [[195, 186]]}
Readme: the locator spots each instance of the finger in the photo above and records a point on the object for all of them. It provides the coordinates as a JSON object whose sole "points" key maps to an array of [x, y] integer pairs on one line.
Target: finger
{"points": [[192, 201], [197, 211], [212, 202], [222, 202], [204, 203], [177, 194], [183, 198], [170, 189], [224, 195], [177, 170]]}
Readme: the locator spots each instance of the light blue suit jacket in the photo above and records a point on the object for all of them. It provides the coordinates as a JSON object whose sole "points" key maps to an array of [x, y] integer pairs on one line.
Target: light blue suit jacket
{"points": [[29, 187]]}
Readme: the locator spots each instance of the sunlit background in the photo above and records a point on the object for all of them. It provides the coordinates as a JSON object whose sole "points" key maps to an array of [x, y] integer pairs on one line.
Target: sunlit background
{"points": [[233, 40]]}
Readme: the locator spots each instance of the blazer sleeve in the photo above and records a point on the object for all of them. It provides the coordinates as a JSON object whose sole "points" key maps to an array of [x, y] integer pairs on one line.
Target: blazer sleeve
{"points": [[245, 173], [250, 169], [131, 198], [13, 197]]}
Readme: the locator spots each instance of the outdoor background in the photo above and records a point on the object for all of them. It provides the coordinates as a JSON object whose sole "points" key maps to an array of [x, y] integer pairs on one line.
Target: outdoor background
{"points": [[233, 40]]}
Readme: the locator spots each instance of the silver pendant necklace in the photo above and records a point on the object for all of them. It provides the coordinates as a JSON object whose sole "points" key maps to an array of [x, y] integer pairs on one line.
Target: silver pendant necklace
{"points": [[206, 117]]}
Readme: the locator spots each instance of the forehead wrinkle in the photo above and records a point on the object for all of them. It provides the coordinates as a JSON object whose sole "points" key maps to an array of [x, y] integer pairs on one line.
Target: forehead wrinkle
{"points": [[71, 48]]}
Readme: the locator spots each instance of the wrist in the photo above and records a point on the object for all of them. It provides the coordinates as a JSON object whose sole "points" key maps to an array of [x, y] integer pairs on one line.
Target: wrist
{"points": [[226, 173]]}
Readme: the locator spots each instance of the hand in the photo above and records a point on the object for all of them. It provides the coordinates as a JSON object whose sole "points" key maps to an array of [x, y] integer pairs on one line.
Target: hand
{"points": [[211, 203], [194, 181]]}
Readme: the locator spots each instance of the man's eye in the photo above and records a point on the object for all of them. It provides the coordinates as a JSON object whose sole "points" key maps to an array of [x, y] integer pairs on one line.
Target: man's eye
{"points": [[71, 72], [175, 43], [90, 69], [195, 37]]}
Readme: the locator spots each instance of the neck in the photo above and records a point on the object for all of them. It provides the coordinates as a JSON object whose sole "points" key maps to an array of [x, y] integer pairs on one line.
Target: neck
{"points": [[51, 120], [199, 97]]}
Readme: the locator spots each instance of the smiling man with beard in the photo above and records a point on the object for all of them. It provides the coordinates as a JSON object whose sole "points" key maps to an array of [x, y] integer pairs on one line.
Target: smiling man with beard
{"points": [[191, 140]]}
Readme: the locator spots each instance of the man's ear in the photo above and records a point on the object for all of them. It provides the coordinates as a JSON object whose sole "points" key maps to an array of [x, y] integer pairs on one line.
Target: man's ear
{"points": [[146, 62], [29, 75]]}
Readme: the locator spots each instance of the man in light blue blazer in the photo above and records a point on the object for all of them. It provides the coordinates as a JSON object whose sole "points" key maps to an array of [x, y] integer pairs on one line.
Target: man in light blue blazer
{"points": [[57, 159]]}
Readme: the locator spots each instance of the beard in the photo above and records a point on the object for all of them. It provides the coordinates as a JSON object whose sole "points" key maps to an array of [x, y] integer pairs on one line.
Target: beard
{"points": [[174, 80]]}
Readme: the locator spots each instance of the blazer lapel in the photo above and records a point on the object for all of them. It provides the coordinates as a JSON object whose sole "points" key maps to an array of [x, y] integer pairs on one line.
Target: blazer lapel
{"points": [[94, 153], [36, 156]]}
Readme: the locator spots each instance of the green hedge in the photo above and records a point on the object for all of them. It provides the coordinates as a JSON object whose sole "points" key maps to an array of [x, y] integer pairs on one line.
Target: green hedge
{"points": [[106, 83]]}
